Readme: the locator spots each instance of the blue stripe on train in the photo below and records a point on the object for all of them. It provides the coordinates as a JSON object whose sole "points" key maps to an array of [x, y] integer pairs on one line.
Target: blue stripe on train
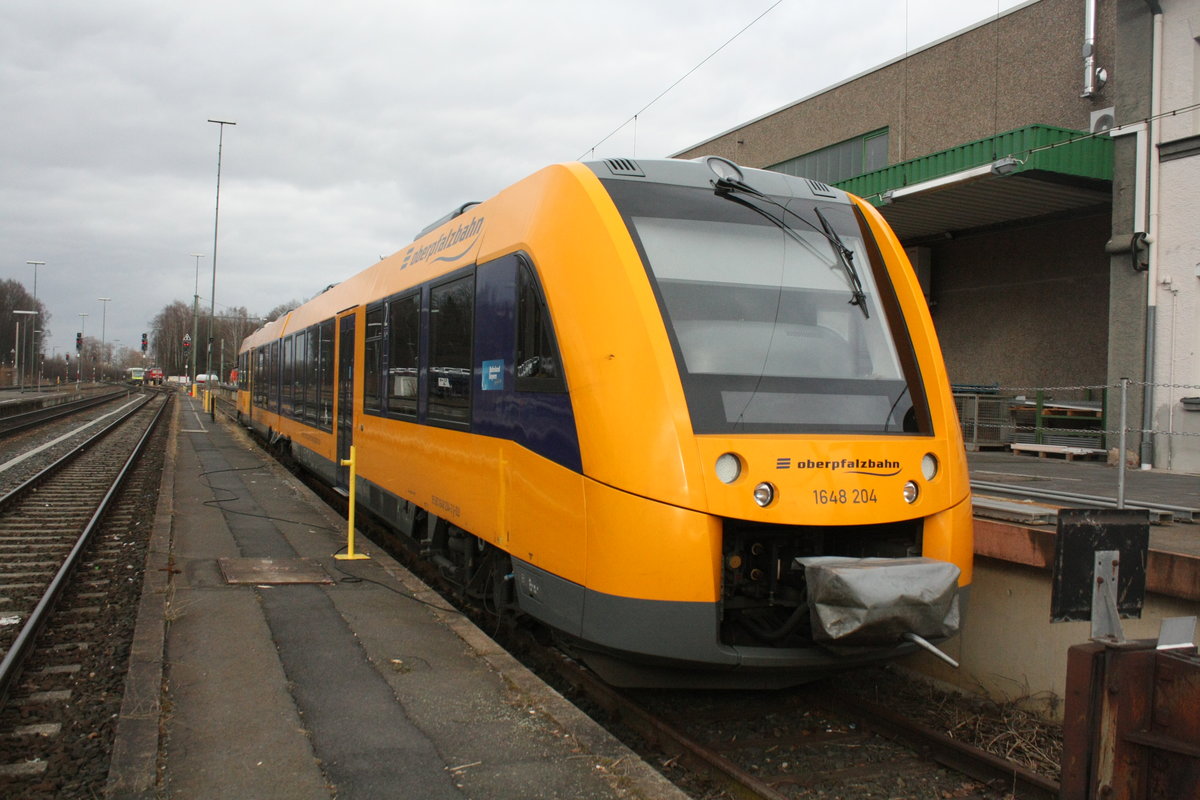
{"points": [[543, 422]]}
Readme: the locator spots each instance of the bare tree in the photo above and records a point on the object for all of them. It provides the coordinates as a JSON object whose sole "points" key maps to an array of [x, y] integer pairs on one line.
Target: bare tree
{"points": [[166, 338], [281, 309], [13, 296]]}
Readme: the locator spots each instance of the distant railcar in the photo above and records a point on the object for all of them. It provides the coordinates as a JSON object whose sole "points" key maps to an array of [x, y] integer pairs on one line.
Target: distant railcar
{"points": [[694, 417], [135, 375]]}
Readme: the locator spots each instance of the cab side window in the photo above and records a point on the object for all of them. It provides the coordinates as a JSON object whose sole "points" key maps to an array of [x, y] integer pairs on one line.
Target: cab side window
{"points": [[539, 368]]}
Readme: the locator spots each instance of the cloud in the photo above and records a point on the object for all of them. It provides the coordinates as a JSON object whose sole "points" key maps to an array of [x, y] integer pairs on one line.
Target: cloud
{"points": [[357, 123]]}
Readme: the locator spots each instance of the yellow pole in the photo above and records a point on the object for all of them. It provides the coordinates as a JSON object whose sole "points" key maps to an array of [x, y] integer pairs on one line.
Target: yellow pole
{"points": [[350, 555]]}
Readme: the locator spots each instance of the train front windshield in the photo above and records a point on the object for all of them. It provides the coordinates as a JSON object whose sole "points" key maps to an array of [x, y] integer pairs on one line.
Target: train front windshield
{"points": [[773, 331]]}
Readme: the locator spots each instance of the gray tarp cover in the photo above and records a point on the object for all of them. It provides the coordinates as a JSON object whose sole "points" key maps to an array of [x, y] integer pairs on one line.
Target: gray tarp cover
{"points": [[864, 601]]}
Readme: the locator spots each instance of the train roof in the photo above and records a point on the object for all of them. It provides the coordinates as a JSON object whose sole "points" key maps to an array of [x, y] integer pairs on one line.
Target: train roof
{"points": [[461, 238]]}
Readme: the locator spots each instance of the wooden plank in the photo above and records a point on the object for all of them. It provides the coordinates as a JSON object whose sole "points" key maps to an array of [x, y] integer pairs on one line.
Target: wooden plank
{"points": [[1070, 452]]}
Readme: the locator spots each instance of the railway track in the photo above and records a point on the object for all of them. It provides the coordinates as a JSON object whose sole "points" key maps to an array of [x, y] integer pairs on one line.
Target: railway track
{"points": [[810, 742], [26, 451], [18, 423], [73, 544]]}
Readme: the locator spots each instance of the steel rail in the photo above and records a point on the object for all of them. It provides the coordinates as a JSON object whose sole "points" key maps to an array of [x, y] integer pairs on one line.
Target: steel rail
{"points": [[14, 659], [961, 756], [691, 753]]}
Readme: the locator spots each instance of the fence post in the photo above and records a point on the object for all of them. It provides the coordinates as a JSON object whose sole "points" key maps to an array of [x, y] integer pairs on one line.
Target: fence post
{"points": [[1121, 446], [1038, 438], [975, 427]]}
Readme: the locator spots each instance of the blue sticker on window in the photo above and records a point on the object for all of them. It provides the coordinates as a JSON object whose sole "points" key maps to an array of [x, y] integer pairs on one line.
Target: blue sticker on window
{"points": [[493, 375]]}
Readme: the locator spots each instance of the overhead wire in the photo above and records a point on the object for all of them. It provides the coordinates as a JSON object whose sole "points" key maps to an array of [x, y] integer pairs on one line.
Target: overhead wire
{"points": [[680, 80]]}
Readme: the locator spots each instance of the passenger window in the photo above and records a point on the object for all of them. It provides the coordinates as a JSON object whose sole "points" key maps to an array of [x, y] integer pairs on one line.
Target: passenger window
{"points": [[299, 400], [404, 327], [262, 373], [538, 365], [273, 377], [373, 358], [312, 376], [289, 371], [451, 319], [325, 361]]}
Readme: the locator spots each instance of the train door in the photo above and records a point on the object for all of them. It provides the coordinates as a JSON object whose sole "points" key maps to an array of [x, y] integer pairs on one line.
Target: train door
{"points": [[345, 395], [247, 377]]}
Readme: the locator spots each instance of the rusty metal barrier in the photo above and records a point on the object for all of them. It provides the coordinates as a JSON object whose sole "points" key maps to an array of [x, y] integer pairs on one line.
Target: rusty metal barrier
{"points": [[1132, 722]]}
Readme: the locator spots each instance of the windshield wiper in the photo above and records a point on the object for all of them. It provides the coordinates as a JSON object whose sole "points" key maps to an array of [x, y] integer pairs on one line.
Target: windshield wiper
{"points": [[729, 188], [846, 256]]}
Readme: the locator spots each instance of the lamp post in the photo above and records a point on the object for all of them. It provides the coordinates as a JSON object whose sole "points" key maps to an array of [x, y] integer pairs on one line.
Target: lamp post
{"points": [[20, 370], [195, 312], [213, 299], [103, 325], [79, 358], [34, 345], [36, 365]]}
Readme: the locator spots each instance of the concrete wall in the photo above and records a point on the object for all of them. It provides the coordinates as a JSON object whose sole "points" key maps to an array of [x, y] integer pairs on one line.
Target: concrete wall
{"points": [[1000, 305], [1009, 650], [1177, 350], [1130, 91], [1020, 69], [1177, 355]]}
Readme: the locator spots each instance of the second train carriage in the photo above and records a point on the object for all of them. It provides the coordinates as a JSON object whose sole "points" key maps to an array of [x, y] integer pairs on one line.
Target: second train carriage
{"points": [[693, 417]]}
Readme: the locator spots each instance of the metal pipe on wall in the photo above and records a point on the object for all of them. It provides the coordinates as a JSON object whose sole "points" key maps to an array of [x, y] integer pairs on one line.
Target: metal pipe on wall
{"points": [[1089, 49], [1155, 136]]}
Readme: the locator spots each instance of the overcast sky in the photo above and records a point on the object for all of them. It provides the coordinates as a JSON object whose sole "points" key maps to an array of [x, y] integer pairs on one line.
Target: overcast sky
{"points": [[358, 123]]}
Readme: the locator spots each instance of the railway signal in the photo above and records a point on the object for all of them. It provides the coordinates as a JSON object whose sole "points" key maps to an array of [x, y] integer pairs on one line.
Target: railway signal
{"points": [[78, 342], [144, 343]]}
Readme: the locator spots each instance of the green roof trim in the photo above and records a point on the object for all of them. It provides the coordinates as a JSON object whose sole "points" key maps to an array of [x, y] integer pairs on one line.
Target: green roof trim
{"points": [[1039, 147]]}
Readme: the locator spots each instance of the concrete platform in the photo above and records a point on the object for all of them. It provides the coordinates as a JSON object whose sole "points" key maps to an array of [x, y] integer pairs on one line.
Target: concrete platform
{"points": [[263, 668], [1173, 565], [1009, 649]]}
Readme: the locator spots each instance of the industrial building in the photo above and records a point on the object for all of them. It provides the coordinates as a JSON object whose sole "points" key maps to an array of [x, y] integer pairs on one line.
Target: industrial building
{"points": [[1040, 169]]}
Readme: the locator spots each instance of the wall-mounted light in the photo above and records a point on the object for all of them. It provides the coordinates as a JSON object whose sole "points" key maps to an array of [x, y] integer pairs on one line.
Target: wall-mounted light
{"points": [[1139, 251], [1007, 165]]}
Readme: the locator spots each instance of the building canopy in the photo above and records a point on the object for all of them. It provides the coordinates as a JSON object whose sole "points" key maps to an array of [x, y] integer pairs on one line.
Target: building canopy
{"points": [[1038, 171]]}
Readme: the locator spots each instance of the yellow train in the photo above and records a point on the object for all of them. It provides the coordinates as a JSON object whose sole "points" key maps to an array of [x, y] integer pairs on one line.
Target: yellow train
{"points": [[692, 416]]}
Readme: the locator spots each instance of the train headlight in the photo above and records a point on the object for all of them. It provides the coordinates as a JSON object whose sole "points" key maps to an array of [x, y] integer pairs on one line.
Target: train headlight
{"points": [[764, 494], [929, 466], [729, 468], [911, 491]]}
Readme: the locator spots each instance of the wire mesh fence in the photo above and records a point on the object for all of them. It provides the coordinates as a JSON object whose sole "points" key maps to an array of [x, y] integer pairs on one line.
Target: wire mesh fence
{"points": [[1066, 415], [1081, 421], [1085, 420]]}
